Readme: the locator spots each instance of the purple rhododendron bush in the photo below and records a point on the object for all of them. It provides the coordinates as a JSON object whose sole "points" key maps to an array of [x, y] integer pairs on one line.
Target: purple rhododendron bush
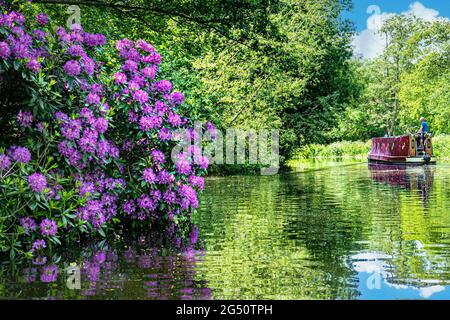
{"points": [[87, 149]]}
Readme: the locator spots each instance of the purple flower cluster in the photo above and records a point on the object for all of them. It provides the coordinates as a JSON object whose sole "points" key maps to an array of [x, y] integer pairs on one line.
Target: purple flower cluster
{"points": [[151, 122], [20, 154], [83, 139], [72, 68], [5, 162], [48, 227], [42, 19], [38, 245], [98, 212], [25, 118], [28, 224], [37, 182], [5, 50], [20, 44], [49, 273]]}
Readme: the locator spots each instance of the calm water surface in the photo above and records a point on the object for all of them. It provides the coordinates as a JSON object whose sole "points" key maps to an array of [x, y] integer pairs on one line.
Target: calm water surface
{"points": [[332, 232]]}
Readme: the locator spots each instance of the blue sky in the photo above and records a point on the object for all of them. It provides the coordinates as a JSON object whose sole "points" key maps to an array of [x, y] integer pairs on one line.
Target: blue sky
{"points": [[359, 15], [369, 15]]}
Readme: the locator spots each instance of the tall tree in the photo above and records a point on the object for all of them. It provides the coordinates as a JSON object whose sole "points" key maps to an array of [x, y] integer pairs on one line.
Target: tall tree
{"points": [[397, 30]]}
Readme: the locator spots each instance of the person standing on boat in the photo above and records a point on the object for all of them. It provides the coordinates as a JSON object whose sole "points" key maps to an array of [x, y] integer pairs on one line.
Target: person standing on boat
{"points": [[423, 131]]}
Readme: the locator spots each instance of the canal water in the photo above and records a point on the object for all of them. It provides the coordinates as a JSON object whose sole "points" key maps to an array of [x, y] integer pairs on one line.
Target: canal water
{"points": [[331, 231]]}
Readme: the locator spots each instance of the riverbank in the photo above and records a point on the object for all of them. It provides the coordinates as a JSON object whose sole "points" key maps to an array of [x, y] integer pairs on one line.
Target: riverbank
{"points": [[358, 150]]}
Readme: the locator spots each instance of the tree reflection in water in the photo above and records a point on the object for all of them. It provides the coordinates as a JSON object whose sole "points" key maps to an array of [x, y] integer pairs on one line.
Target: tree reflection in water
{"points": [[409, 178]]}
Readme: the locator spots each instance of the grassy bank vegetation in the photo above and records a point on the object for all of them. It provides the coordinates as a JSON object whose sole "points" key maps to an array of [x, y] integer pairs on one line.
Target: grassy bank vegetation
{"points": [[359, 149]]}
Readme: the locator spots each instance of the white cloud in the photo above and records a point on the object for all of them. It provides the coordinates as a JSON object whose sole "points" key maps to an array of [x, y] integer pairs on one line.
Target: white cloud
{"points": [[429, 291], [420, 11], [368, 44]]}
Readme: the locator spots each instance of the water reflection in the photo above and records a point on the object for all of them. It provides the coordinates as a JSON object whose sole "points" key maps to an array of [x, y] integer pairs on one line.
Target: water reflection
{"points": [[299, 236], [418, 179], [135, 270], [343, 232]]}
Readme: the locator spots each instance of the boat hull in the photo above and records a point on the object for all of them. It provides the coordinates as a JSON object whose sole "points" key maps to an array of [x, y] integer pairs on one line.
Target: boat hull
{"points": [[403, 150], [405, 162]]}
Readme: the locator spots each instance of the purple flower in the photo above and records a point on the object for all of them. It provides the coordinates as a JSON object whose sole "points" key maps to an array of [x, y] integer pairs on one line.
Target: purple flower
{"points": [[20, 50], [203, 162], [72, 68], [164, 134], [40, 34], [194, 235], [120, 77], [132, 116], [211, 129], [140, 96], [38, 245], [183, 167], [37, 182], [114, 151], [88, 64], [49, 273], [40, 126], [130, 65], [153, 58], [127, 144], [145, 202], [62, 34], [124, 45], [188, 197], [76, 50], [148, 123], [28, 224], [48, 227], [75, 36], [101, 125], [71, 130], [197, 182], [5, 162], [170, 196], [76, 28], [87, 114], [129, 207], [33, 65], [174, 119], [165, 177], [5, 51], [42, 19], [21, 154], [149, 72], [158, 156], [137, 81], [94, 40], [87, 188], [25, 118], [163, 86], [72, 155], [88, 141], [41, 260], [103, 147], [156, 195], [93, 98], [177, 98], [61, 116], [144, 46], [149, 176]]}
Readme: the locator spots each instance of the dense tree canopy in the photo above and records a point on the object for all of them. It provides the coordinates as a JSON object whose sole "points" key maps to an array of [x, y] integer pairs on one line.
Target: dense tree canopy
{"points": [[409, 80], [245, 64]]}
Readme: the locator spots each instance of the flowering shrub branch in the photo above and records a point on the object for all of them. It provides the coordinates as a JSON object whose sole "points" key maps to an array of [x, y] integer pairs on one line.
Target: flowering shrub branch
{"points": [[93, 143]]}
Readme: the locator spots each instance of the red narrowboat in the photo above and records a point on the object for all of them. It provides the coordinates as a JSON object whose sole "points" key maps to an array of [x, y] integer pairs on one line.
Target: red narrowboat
{"points": [[403, 150]]}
